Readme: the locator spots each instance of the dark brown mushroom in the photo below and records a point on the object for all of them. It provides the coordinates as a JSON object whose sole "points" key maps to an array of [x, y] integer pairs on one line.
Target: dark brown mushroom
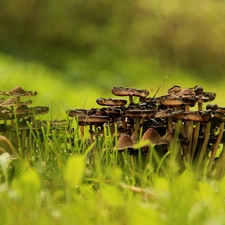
{"points": [[216, 146], [174, 90], [77, 112], [198, 116], [171, 101], [111, 101], [32, 111], [154, 137], [121, 91], [163, 113], [124, 142]]}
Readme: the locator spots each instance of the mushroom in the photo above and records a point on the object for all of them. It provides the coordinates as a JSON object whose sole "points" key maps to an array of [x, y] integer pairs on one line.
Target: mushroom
{"points": [[93, 120], [121, 91], [124, 142], [216, 146], [204, 145], [111, 101], [6, 146], [76, 112], [152, 136], [219, 166], [204, 97], [171, 101], [23, 111], [6, 114], [137, 115], [174, 90], [10, 102], [19, 92]]}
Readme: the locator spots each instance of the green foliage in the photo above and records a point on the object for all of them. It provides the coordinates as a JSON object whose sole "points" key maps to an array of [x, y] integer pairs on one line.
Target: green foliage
{"points": [[74, 171], [189, 34]]}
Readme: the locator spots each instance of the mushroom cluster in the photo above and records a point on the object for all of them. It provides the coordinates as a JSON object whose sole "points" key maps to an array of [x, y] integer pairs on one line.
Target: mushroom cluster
{"points": [[18, 112], [161, 121]]}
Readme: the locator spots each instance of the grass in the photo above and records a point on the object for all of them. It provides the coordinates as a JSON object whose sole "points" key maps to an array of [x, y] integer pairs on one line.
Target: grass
{"points": [[62, 185], [58, 181]]}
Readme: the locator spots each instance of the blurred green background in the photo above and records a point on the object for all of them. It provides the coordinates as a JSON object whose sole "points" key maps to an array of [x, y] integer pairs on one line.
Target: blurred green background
{"points": [[73, 51]]}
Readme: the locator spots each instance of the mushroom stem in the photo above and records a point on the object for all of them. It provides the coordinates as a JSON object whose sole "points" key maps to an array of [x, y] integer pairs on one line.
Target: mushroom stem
{"points": [[17, 101], [82, 130], [204, 146], [195, 139], [23, 141], [137, 124], [130, 99], [124, 123], [200, 106], [170, 124], [188, 149], [219, 166], [91, 133], [216, 146]]}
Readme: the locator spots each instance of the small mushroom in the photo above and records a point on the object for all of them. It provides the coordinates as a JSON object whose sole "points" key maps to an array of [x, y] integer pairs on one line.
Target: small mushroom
{"points": [[154, 137], [92, 120], [174, 90], [111, 101], [163, 113], [121, 91], [12, 102], [6, 114], [171, 101], [137, 115], [204, 145], [77, 112], [23, 110], [198, 116], [7, 146], [216, 146], [124, 142], [19, 92]]}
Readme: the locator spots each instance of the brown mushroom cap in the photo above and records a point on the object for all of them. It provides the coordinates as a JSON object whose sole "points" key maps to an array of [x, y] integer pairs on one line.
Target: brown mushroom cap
{"points": [[142, 113], [198, 116], [198, 90], [124, 142], [113, 111], [171, 101], [173, 90], [13, 101], [206, 97], [6, 114], [121, 91], [19, 91], [212, 107], [111, 101], [163, 113], [186, 91], [77, 112], [26, 111], [218, 116], [153, 136], [87, 120]]}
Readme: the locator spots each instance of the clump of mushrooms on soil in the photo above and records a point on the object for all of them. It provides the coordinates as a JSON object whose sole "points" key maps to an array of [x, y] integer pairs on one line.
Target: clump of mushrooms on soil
{"points": [[142, 123], [139, 123], [19, 121]]}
